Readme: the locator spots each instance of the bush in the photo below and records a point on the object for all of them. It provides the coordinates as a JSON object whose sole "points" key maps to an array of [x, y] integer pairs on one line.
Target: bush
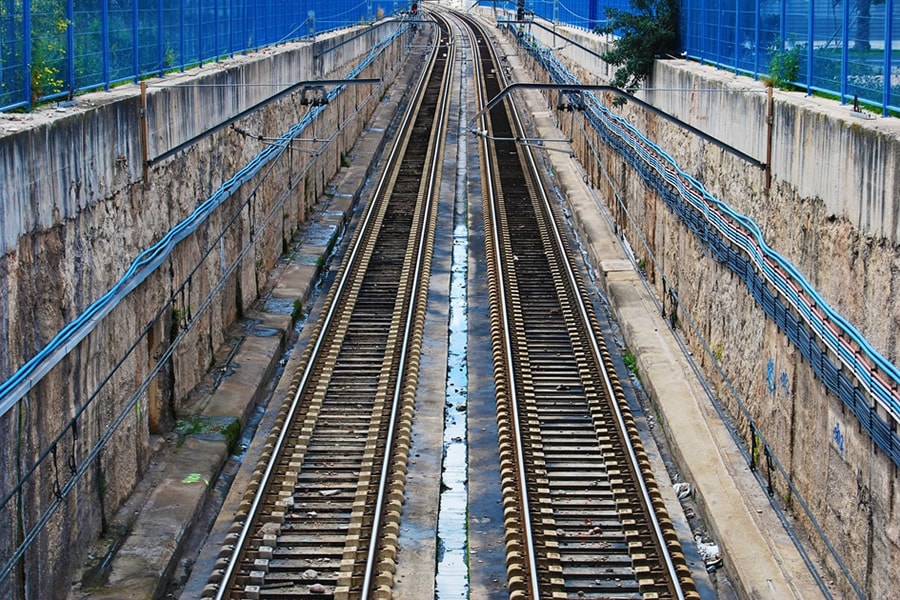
{"points": [[646, 32]]}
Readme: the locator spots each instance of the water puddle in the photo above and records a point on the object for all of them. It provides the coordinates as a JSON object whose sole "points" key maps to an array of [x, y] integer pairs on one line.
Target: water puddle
{"points": [[452, 578]]}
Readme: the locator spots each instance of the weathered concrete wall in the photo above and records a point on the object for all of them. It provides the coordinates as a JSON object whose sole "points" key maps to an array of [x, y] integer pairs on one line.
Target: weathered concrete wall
{"points": [[75, 214], [832, 211]]}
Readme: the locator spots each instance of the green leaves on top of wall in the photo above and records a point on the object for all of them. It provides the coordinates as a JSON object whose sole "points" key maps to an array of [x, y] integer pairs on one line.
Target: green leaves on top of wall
{"points": [[644, 33]]}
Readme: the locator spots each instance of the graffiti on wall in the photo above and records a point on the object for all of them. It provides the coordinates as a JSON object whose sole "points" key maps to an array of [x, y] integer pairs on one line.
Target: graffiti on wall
{"points": [[779, 384]]}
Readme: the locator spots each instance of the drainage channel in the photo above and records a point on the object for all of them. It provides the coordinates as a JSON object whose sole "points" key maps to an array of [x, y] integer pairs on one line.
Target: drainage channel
{"points": [[452, 578]]}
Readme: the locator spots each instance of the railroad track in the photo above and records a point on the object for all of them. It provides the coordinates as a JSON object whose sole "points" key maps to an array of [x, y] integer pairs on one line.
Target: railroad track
{"points": [[583, 515], [321, 517]]}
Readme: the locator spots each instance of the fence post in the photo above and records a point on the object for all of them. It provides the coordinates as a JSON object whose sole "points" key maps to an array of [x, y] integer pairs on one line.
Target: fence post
{"points": [[183, 57], [26, 51], [810, 47], [199, 32], [104, 36], [888, 47], [216, 29], [845, 52], [70, 47], [160, 43], [135, 48]]}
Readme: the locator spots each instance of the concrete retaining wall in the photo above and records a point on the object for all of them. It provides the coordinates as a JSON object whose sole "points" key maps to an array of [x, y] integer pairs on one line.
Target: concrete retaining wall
{"points": [[76, 213], [832, 211]]}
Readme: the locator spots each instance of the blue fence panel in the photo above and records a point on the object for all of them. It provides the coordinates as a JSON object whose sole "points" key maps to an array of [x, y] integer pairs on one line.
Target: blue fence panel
{"points": [[173, 34], [121, 44], [146, 29], [867, 75], [744, 34], [709, 15], [587, 14], [340, 13], [844, 48], [580, 13], [541, 8], [209, 23], [12, 59], [50, 49], [242, 34], [87, 29], [728, 44]]}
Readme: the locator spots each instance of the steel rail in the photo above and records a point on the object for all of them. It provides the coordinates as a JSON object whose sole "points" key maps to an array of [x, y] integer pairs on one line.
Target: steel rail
{"points": [[524, 502], [595, 348], [341, 283], [430, 189]]}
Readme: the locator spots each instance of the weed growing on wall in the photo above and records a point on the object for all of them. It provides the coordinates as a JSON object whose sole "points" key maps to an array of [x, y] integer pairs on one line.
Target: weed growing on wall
{"points": [[784, 64]]}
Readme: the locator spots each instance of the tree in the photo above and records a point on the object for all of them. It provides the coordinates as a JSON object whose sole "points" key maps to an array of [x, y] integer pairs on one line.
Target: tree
{"points": [[644, 33]]}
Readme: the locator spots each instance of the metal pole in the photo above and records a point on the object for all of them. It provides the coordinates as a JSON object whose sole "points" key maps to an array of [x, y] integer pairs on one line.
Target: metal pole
{"points": [[888, 53], [135, 47], [70, 46], [216, 29], [845, 52], [26, 51], [181, 16], [145, 162], [770, 123], [810, 46], [104, 46]]}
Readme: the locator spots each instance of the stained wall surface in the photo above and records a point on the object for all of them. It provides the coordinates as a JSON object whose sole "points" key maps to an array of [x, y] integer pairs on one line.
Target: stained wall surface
{"points": [[85, 190]]}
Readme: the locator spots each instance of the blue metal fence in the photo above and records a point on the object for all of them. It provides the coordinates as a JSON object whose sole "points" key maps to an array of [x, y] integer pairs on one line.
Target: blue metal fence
{"points": [[842, 48], [587, 14], [51, 49]]}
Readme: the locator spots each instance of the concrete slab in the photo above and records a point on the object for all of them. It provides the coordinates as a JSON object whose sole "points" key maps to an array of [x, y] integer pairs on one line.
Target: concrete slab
{"points": [[296, 281], [141, 566], [252, 366]]}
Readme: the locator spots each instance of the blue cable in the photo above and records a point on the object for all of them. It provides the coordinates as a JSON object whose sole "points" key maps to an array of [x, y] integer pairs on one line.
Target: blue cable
{"points": [[14, 388]]}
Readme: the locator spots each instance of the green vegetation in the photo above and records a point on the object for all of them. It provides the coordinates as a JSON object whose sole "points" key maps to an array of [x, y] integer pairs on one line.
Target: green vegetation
{"points": [[180, 318], [649, 30], [228, 428], [177, 316], [784, 64], [630, 361], [719, 351]]}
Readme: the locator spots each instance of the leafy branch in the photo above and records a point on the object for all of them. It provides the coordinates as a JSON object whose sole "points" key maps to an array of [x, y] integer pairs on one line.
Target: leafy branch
{"points": [[647, 31]]}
